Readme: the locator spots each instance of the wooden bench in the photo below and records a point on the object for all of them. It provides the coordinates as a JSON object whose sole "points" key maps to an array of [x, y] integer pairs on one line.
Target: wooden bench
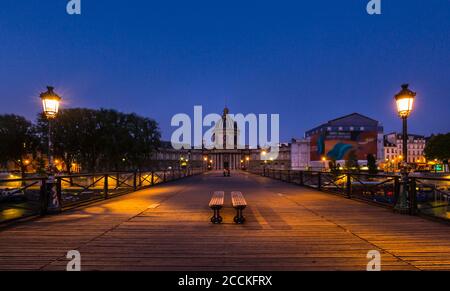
{"points": [[216, 204], [239, 204]]}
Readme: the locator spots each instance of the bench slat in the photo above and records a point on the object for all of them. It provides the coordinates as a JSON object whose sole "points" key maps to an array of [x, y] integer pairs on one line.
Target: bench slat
{"points": [[217, 199], [238, 199], [239, 204]]}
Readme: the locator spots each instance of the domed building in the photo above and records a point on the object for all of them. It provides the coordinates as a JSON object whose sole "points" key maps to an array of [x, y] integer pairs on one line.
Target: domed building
{"points": [[223, 151], [226, 152], [226, 132]]}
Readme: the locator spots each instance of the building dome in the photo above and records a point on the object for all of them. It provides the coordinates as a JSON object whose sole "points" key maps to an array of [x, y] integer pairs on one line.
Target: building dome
{"points": [[227, 121], [226, 131]]}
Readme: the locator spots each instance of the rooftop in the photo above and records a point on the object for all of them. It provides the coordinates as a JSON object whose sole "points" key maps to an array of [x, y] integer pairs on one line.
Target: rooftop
{"points": [[354, 121]]}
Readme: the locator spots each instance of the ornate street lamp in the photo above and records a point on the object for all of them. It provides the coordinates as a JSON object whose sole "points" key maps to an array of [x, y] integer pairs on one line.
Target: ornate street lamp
{"points": [[404, 100], [50, 104]]}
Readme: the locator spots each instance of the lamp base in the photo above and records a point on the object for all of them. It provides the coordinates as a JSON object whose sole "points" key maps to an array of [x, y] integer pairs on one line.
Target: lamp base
{"points": [[54, 203]]}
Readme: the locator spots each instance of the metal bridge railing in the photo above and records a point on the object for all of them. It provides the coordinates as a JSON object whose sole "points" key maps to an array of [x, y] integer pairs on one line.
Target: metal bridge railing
{"points": [[428, 196], [432, 196], [20, 198]]}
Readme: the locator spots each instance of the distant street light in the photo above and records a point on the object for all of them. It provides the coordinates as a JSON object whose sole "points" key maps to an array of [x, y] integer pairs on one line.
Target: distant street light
{"points": [[205, 163], [404, 100], [50, 104], [246, 164]]}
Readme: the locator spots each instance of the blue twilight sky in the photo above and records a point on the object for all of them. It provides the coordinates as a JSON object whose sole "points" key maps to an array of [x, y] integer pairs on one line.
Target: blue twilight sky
{"points": [[310, 61]]}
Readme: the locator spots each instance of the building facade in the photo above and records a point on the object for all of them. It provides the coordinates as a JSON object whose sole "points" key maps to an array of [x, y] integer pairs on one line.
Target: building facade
{"points": [[338, 138], [300, 154], [394, 149], [225, 152], [331, 141]]}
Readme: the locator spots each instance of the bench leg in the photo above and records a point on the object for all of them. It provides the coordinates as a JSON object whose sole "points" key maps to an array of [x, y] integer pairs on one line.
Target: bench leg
{"points": [[239, 218], [216, 219]]}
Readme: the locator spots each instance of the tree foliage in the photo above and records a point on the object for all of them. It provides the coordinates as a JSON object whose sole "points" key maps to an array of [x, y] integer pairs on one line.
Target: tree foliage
{"points": [[101, 140], [438, 147], [372, 164], [17, 139], [351, 164]]}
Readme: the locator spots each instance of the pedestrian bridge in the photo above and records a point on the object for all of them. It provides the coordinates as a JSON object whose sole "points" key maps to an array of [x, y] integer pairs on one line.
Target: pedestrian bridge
{"points": [[167, 227]]}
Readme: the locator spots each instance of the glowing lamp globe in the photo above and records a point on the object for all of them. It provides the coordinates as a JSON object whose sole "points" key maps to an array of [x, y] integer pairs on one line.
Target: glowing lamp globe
{"points": [[50, 102], [405, 100]]}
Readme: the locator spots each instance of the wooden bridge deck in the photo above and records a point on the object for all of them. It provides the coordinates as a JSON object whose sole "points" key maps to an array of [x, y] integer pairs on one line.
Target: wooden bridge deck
{"points": [[167, 228]]}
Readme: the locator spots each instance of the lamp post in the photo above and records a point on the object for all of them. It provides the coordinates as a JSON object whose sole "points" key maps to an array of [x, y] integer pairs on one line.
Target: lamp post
{"points": [[50, 104], [404, 100]]}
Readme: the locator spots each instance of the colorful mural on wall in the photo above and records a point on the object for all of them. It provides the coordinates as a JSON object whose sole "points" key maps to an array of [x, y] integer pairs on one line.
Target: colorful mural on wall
{"points": [[337, 145]]}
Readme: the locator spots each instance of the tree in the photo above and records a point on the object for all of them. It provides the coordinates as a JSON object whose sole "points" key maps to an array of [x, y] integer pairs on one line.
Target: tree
{"points": [[129, 139], [438, 147], [73, 135], [101, 140], [40, 166], [17, 140], [90, 142], [145, 137], [372, 164], [352, 161], [112, 138]]}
